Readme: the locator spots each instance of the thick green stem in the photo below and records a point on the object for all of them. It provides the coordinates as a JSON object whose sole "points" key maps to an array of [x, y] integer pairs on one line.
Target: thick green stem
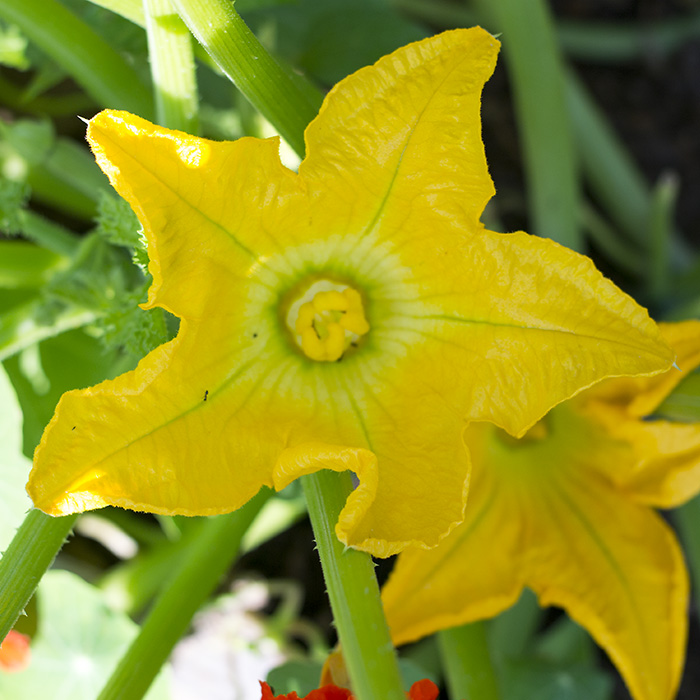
{"points": [[89, 59], [535, 66], [354, 594], [279, 95], [467, 663], [212, 552], [31, 552], [172, 67]]}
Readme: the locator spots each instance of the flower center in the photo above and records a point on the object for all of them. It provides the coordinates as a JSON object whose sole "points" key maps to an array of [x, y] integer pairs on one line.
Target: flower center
{"points": [[326, 320], [537, 433]]}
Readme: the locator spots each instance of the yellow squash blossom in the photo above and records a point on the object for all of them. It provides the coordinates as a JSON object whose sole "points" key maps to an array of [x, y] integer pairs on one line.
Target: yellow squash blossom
{"points": [[348, 316], [565, 511]]}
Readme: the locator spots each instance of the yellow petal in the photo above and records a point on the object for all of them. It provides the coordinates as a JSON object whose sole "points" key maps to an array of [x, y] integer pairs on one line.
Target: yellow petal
{"points": [[472, 574], [618, 570], [530, 325], [180, 434], [413, 475], [666, 471], [540, 517], [640, 396], [210, 210], [403, 135]]}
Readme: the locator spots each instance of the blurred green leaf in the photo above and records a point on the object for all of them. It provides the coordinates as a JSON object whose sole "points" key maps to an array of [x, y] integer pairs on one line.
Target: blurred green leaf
{"points": [[71, 360], [13, 198], [683, 404], [13, 47], [566, 642], [60, 172], [297, 676], [14, 466], [529, 678], [31, 139], [331, 39], [47, 74], [79, 641]]}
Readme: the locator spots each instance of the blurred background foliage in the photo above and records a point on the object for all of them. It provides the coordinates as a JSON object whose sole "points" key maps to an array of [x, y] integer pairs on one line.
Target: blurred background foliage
{"points": [[591, 132]]}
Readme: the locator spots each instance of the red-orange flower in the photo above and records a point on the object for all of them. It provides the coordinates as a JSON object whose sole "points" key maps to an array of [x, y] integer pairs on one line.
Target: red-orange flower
{"points": [[14, 652], [420, 690]]}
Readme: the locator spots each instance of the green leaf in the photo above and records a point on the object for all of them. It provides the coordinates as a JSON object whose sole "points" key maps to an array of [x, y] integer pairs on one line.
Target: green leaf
{"points": [[79, 641], [129, 327], [117, 224]]}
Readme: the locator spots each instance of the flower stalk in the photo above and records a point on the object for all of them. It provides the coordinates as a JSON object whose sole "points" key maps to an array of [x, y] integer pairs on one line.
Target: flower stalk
{"points": [[354, 593], [282, 98], [26, 560], [172, 67], [467, 663]]}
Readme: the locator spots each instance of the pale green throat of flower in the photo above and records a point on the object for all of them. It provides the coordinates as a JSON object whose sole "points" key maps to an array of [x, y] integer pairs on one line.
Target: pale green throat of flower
{"points": [[326, 320]]}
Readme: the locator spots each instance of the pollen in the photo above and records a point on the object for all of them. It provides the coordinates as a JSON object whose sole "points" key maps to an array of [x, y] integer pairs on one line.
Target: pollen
{"points": [[327, 320]]}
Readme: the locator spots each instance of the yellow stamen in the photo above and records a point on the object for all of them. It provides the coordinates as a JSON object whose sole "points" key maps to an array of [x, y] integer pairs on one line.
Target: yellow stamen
{"points": [[327, 321]]}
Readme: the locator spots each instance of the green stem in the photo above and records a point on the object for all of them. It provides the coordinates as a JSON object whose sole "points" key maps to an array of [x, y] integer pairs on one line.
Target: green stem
{"points": [[172, 67], [616, 249], [280, 96], [687, 517], [31, 552], [610, 172], [513, 630], [354, 593], [660, 234], [535, 66], [48, 234], [467, 663], [213, 550], [19, 328], [132, 10], [70, 104], [603, 42], [88, 58]]}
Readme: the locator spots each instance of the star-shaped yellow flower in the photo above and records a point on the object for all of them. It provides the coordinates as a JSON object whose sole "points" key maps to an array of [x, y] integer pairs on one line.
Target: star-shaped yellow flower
{"points": [[565, 511], [349, 316]]}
